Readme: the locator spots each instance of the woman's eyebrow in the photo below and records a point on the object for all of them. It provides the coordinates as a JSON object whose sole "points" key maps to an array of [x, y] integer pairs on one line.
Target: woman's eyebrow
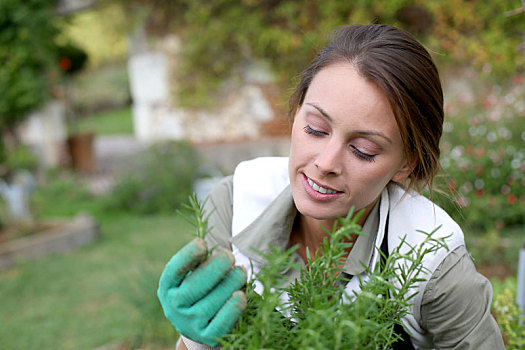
{"points": [[376, 133], [359, 132], [322, 111]]}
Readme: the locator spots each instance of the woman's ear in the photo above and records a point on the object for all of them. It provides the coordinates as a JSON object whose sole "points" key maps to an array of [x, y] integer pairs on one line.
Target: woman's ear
{"points": [[405, 170]]}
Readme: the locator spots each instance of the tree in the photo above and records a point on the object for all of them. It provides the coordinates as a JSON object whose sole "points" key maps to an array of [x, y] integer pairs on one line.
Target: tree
{"points": [[28, 57]]}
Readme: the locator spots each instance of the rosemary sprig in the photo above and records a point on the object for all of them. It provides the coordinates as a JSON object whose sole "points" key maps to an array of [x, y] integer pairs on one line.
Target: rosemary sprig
{"points": [[194, 214]]}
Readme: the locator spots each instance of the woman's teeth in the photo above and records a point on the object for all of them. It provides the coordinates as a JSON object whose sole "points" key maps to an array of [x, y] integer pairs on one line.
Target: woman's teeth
{"points": [[319, 188]]}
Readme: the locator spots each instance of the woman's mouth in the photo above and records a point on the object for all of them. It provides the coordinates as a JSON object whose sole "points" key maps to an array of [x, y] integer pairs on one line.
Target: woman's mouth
{"points": [[318, 188], [319, 192]]}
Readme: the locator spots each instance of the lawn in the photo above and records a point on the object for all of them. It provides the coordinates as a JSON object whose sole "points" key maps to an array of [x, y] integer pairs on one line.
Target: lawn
{"points": [[118, 121], [100, 294]]}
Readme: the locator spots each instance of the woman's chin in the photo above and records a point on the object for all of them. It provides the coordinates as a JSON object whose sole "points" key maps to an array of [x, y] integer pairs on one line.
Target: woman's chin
{"points": [[321, 211]]}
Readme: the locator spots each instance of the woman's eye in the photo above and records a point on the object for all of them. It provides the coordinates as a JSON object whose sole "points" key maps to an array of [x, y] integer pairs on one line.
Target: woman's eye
{"points": [[314, 132], [362, 155]]}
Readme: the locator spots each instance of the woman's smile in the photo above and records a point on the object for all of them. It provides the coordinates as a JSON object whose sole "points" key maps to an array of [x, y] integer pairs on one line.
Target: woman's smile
{"points": [[319, 192]]}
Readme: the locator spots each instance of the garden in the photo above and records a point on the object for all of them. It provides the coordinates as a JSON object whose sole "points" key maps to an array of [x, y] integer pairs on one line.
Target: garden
{"points": [[103, 295]]}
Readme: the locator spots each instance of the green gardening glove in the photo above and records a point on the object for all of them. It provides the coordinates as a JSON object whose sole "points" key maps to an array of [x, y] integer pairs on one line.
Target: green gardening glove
{"points": [[202, 299]]}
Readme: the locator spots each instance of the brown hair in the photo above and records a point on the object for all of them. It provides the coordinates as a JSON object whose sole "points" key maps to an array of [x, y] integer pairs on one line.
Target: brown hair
{"points": [[404, 70]]}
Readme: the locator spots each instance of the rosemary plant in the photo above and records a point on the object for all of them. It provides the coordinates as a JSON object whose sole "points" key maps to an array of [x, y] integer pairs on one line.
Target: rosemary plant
{"points": [[313, 315]]}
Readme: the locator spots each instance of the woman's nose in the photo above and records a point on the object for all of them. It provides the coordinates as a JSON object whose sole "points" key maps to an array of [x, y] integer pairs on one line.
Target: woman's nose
{"points": [[329, 159]]}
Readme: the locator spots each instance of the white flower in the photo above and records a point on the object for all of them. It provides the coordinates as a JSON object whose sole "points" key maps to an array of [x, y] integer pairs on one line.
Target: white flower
{"points": [[492, 137], [479, 184], [457, 152], [495, 172]]}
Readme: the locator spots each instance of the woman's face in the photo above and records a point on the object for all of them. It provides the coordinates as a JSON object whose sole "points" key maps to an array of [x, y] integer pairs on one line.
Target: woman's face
{"points": [[345, 145]]}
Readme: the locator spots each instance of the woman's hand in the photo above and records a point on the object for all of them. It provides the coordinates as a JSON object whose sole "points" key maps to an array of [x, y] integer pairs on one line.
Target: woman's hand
{"points": [[202, 299]]}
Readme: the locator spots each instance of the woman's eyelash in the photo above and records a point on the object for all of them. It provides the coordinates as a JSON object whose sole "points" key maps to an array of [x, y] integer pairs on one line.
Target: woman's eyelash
{"points": [[314, 132], [358, 153], [364, 156]]}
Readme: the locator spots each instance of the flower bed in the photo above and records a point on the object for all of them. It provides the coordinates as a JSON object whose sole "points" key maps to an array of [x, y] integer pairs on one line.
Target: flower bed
{"points": [[56, 237]]}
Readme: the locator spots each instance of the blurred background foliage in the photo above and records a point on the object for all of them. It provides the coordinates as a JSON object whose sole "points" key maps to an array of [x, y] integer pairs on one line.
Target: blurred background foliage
{"points": [[483, 158], [157, 180], [101, 32], [219, 36]]}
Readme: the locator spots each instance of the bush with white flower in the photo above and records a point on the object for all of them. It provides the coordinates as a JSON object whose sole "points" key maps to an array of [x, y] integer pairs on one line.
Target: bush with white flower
{"points": [[483, 156]]}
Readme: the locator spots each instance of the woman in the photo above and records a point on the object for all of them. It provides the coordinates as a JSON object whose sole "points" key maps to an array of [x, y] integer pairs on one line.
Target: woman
{"points": [[367, 119]]}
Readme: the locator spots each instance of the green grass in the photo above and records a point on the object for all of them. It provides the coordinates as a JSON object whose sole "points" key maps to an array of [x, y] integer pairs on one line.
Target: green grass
{"points": [[119, 121], [499, 286], [102, 293]]}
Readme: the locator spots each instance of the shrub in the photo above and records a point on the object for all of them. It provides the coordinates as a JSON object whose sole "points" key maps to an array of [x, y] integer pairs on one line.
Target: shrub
{"points": [[484, 157], [72, 59], [158, 180], [61, 194], [20, 158], [102, 88], [511, 323]]}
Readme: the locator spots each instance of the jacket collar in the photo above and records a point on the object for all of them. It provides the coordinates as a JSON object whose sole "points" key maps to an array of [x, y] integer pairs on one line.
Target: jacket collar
{"points": [[274, 225]]}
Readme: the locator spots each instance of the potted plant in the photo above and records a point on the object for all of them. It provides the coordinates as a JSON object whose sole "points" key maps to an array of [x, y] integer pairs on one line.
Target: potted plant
{"points": [[72, 60]]}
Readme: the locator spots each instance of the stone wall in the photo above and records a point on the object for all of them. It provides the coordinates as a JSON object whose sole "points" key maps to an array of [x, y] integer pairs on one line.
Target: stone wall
{"points": [[246, 110]]}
